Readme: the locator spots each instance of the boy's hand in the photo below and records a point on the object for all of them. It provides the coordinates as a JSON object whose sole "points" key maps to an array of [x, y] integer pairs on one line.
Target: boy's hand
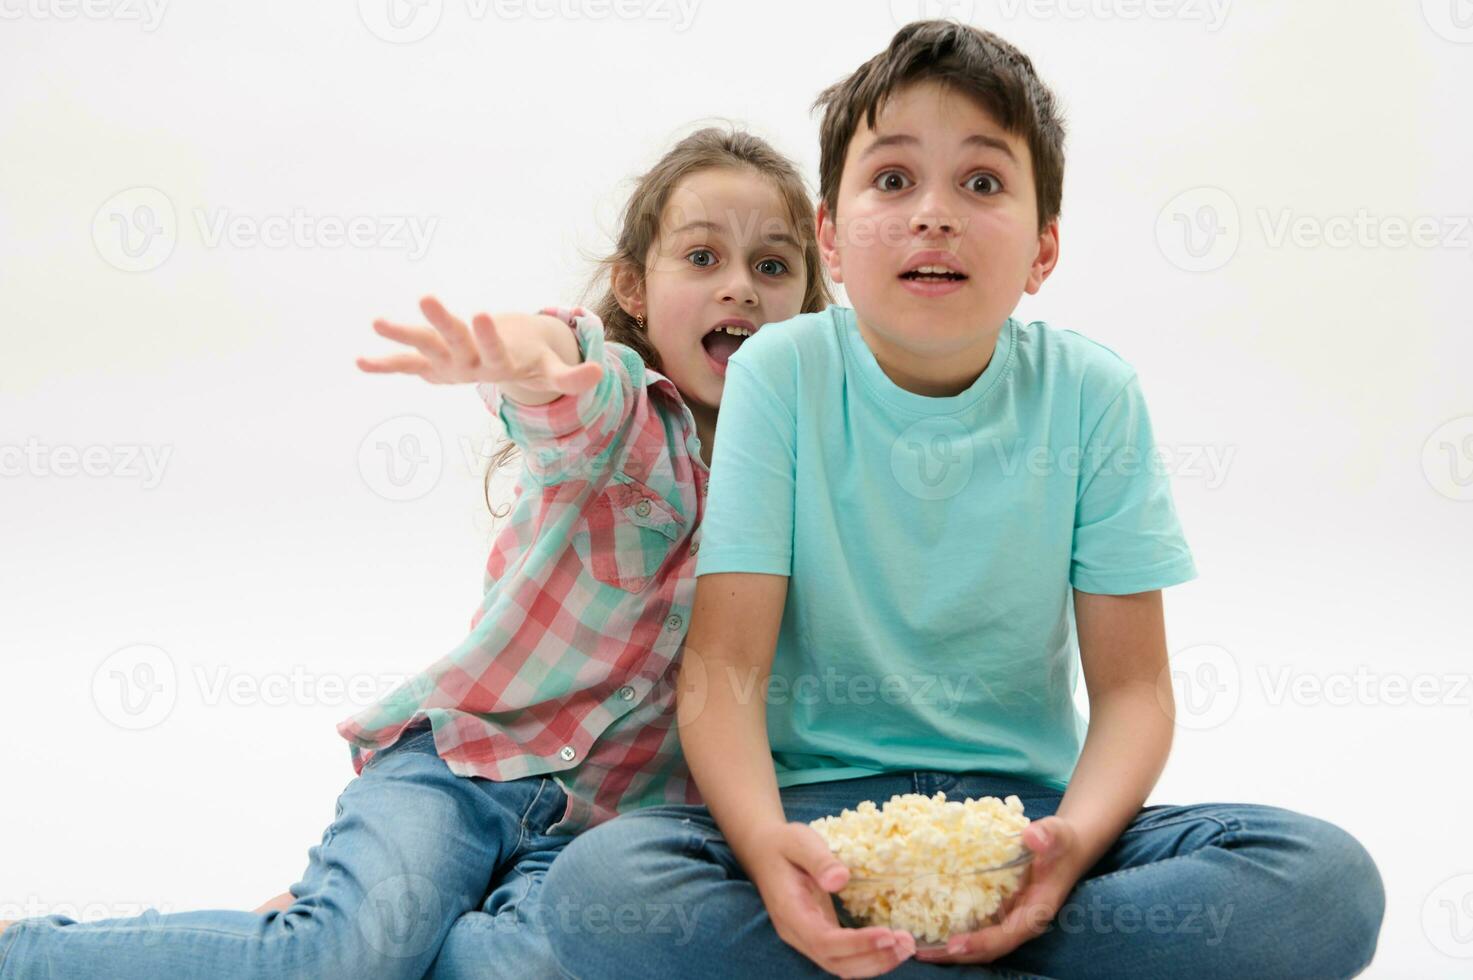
{"points": [[1052, 875], [795, 871], [527, 354]]}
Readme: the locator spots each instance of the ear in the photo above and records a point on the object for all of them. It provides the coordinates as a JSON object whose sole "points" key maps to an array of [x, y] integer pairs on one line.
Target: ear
{"points": [[628, 287], [828, 243], [1046, 259]]}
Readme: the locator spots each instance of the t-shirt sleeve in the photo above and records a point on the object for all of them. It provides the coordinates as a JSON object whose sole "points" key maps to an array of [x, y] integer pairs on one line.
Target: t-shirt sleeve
{"points": [[748, 525], [1126, 534]]}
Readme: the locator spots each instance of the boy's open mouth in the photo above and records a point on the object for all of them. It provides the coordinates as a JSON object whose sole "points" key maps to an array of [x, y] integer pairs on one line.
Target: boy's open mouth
{"points": [[723, 340], [933, 273]]}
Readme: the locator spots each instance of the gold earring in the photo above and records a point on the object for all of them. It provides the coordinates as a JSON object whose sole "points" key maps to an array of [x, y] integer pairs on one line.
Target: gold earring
{"points": [[639, 320]]}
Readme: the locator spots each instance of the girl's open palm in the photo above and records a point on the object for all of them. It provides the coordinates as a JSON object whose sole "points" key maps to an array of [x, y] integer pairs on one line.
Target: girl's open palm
{"points": [[513, 350]]}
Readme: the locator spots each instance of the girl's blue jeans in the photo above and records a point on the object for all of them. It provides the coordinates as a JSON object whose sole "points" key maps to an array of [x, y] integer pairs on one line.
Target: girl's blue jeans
{"points": [[413, 851], [1212, 890]]}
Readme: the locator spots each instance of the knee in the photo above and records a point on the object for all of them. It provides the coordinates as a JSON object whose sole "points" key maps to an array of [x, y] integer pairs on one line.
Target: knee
{"points": [[621, 889], [1350, 898], [385, 936]]}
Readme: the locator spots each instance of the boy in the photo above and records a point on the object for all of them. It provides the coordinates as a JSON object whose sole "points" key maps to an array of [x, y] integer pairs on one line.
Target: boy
{"points": [[908, 500]]}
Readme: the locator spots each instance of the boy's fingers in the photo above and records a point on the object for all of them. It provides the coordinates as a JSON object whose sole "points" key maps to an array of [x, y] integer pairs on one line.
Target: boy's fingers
{"points": [[808, 851], [870, 964]]}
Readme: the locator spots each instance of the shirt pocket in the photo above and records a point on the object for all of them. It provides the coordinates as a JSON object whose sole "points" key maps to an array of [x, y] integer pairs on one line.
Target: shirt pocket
{"points": [[626, 533]]}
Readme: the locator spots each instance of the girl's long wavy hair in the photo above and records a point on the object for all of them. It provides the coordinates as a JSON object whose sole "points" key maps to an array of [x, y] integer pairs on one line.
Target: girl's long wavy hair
{"points": [[639, 229]]}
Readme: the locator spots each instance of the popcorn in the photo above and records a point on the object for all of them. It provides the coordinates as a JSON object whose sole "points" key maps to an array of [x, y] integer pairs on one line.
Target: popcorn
{"points": [[913, 863]]}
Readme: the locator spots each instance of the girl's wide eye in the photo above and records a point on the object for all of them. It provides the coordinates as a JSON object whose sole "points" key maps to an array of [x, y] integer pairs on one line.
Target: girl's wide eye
{"points": [[890, 180], [972, 182], [766, 267], [710, 258]]}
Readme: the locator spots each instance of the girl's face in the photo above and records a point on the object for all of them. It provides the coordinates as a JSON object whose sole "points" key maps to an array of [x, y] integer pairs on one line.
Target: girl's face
{"points": [[726, 262]]}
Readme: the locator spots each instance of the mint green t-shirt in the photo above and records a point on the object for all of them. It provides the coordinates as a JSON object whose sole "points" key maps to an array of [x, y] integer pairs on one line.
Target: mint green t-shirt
{"points": [[931, 543]]}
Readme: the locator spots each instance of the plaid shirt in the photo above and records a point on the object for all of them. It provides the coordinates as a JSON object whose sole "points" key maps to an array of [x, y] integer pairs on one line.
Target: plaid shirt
{"points": [[570, 664]]}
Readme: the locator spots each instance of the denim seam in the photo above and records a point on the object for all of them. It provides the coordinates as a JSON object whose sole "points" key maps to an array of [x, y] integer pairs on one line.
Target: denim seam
{"points": [[1227, 832], [1228, 824], [527, 815]]}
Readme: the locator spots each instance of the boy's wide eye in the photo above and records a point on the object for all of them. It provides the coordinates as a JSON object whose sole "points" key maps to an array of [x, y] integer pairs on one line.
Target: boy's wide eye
{"points": [[972, 183], [772, 267], [890, 180], [710, 258]]}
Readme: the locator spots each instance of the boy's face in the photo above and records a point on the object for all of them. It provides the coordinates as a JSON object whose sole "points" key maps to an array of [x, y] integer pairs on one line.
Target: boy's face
{"points": [[937, 182]]}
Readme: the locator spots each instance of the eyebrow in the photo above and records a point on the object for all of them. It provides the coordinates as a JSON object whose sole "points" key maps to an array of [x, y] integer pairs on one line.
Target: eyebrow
{"points": [[781, 236], [976, 139]]}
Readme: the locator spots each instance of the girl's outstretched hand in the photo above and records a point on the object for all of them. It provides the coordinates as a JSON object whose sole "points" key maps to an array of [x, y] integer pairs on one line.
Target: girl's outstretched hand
{"points": [[534, 358], [1054, 872]]}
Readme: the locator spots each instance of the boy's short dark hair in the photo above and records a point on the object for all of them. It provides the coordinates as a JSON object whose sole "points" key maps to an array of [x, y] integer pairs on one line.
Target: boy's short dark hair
{"points": [[974, 62]]}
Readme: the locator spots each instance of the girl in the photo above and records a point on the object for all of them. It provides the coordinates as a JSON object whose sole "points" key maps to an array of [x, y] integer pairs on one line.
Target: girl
{"points": [[556, 711]]}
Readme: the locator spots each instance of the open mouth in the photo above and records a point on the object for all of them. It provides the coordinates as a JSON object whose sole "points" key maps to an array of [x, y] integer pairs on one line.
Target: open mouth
{"points": [[933, 273], [723, 341]]}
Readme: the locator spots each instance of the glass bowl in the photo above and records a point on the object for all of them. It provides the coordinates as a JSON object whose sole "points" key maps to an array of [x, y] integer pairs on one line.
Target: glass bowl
{"points": [[934, 906]]}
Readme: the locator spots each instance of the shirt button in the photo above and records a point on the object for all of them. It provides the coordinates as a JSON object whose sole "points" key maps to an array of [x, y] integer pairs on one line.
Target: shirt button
{"points": [[626, 693], [642, 508], [567, 753], [674, 622]]}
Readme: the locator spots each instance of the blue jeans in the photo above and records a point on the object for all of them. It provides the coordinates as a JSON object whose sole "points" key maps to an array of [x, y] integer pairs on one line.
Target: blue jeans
{"points": [[1212, 890], [414, 850]]}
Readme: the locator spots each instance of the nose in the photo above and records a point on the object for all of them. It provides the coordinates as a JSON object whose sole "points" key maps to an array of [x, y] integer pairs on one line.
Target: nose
{"points": [[932, 217], [738, 288]]}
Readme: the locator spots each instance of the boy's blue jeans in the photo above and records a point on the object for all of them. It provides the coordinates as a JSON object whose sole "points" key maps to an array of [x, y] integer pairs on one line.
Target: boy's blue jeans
{"points": [[414, 850], [1213, 890]]}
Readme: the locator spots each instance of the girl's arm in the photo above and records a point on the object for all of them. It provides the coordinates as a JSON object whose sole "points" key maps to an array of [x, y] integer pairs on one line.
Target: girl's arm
{"points": [[723, 733], [1122, 647], [534, 359]]}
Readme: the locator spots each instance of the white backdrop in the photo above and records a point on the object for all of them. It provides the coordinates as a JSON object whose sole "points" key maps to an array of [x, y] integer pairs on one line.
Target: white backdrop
{"points": [[218, 537]]}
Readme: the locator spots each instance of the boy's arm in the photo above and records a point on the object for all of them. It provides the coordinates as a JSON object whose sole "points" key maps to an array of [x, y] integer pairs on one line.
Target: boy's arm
{"points": [[729, 650], [1122, 648]]}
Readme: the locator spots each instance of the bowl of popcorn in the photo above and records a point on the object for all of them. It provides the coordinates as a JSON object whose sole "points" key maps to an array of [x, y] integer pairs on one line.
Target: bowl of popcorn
{"points": [[930, 866]]}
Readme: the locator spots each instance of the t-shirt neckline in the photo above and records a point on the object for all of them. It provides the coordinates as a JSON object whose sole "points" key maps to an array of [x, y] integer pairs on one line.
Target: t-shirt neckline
{"points": [[858, 353]]}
